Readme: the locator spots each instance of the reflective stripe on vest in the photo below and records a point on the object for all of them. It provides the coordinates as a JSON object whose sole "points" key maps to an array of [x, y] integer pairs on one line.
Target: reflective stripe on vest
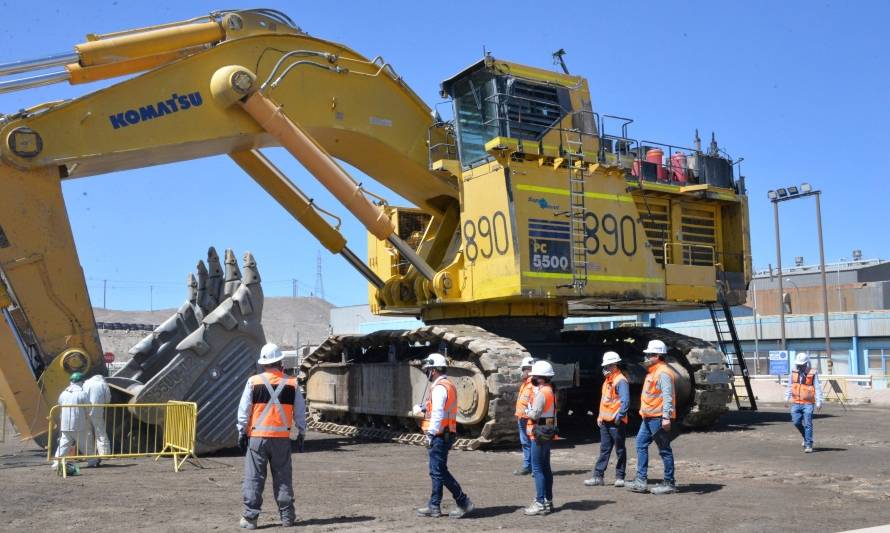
{"points": [[548, 413], [525, 395], [610, 402], [651, 401], [449, 421], [803, 392], [273, 408]]}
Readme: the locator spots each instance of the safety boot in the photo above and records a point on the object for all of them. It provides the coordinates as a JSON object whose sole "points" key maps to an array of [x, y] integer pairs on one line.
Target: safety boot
{"points": [[666, 487], [247, 523], [536, 508], [429, 512], [808, 449], [638, 485], [522, 471], [619, 482], [461, 511], [548, 504], [595, 481]]}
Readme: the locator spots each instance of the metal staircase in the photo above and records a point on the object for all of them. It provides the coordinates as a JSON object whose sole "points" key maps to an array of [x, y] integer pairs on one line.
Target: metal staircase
{"points": [[728, 340]]}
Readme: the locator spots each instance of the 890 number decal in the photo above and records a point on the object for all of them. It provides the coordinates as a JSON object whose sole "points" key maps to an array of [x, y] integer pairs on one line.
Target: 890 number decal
{"points": [[486, 236], [610, 234]]}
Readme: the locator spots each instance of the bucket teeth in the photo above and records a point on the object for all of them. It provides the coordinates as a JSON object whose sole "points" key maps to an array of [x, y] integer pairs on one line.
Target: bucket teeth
{"points": [[250, 275], [192, 289], [201, 293], [233, 274], [214, 279]]}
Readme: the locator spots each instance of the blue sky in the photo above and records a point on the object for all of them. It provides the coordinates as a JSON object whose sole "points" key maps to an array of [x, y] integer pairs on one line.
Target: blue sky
{"points": [[799, 89]]}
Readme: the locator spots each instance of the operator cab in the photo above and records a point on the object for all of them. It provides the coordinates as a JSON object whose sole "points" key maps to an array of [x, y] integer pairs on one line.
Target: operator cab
{"points": [[493, 98]]}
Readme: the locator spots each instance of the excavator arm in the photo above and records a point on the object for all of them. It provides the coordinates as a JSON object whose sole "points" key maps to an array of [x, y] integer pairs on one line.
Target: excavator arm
{"points": [[231, 83]]}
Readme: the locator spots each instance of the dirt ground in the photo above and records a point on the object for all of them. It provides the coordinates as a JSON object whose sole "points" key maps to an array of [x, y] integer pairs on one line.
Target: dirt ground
{"points": [[748, 474]]}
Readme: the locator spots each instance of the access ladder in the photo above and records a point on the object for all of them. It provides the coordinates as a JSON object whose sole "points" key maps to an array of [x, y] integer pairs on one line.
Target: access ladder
{"points": [[728, 340]]}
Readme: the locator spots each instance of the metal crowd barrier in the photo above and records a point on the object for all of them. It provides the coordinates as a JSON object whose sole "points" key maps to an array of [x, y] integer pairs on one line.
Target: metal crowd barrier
{"points": [[118, 431], [3, 420]]}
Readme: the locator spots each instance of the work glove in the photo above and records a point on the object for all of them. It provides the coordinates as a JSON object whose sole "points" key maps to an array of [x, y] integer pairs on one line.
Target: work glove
{"points": [[243, 439], [417, 410], [296, 445]]}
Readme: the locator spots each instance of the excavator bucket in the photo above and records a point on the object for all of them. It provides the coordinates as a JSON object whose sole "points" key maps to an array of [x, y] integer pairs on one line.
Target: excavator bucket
{"points": [[205, 352]]}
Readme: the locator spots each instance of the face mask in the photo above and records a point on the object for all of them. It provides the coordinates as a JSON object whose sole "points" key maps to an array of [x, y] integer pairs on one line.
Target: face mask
{"points": [[606, 371], [536, 381], [650, 361]]}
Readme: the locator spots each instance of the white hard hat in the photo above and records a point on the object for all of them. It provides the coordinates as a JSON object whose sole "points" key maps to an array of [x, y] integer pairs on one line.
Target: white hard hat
{"points": [[270, 354], [527, 361], [434, 360], [657, 347], [543, 369], [610, 358], [801, 358]]}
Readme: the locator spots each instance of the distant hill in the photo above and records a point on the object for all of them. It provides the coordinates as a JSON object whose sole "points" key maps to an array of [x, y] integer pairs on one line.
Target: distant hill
{"points": [[286, 321]]}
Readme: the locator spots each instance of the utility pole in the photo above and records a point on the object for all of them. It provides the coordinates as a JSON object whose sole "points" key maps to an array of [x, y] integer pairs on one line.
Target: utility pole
{"points": [[104, 293], [295, 291], [319, 282], [824, 282], [151, 297]]}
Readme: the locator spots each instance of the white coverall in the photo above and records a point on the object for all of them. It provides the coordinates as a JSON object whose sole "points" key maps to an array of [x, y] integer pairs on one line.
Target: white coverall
{"points": [[75, 430], [98, 393]]}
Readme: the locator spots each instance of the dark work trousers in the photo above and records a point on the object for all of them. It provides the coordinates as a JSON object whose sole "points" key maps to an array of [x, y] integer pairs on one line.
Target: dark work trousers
{"points": [[611, 435], [439, 472], [274, 452]]}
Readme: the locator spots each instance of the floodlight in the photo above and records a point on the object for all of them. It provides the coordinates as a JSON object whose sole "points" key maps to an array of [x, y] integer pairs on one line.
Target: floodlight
{"points": [[772, 195], [782, 193], [792, 191], [805, 187]]}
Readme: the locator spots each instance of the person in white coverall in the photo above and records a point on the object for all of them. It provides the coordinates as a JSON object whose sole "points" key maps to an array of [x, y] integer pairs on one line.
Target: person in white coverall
{"points": [[75, 431], [99, 393]]}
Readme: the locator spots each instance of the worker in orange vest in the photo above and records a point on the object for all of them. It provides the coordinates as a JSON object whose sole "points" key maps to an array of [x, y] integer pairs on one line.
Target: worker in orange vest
{"points": [[526, 389], [805, 391], [440, 427], [271, 404], [612, 421], [658, 409], [542, 429]]}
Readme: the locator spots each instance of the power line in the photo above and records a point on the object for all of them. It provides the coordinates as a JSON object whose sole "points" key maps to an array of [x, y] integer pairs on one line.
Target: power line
{"points": [[319, 282]]}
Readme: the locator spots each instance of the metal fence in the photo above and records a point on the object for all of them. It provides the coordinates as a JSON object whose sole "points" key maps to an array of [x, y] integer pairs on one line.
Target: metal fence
{"points": [[118, 431], [3, 420]]}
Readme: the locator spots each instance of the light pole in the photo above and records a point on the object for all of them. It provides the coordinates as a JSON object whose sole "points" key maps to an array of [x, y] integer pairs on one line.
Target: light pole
{"points": [[773, 196], [791, 193], [796, 291]]}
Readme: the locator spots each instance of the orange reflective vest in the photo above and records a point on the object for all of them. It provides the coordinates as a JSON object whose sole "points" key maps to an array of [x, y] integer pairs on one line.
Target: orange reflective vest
{"points": [[449, 422], [272, 411], [525, 395], [803, 392], [652, 400], [548, 414], [610, 403]]}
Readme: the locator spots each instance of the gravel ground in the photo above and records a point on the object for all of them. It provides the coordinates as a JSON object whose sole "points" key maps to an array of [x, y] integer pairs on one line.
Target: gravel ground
{"points": [[748, 474]]}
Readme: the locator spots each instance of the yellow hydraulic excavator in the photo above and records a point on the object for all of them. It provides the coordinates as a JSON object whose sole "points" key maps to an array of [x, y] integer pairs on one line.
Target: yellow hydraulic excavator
{"points": [[525, 212]]}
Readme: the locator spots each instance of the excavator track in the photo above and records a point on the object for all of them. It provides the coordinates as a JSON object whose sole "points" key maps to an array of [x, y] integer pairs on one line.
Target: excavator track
{"points": [[699, 365], [493, 356]]}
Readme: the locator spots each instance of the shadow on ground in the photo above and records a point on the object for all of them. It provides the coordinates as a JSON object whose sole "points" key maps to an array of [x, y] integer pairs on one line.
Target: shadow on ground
{"points": [[490, 512], [581, 505]]}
